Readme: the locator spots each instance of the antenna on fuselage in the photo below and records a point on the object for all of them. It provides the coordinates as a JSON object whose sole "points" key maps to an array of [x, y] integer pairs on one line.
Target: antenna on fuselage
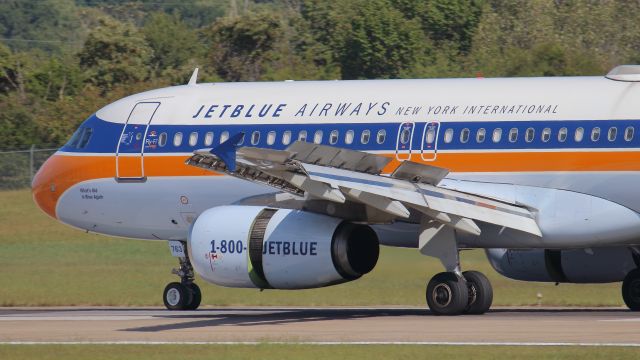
{"points": [[194, 77]]}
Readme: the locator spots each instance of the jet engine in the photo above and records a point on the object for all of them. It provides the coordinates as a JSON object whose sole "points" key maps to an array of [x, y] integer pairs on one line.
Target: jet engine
{"points": [[259, 247], [597, 265]]}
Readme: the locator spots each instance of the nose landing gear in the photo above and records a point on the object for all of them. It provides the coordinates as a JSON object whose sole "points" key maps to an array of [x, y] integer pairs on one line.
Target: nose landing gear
{"points": [[183, 295]]}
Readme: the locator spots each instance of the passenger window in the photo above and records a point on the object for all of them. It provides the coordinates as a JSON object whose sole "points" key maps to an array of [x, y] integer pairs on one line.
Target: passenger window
{"points": [[497, 135], [513, 135], [595, 134], [613, 133], [177, 139], [271, 137], [366, 135], [529, 135], [562, 134], [208, 139], [224, 136], [382, 136], [579, 135], [86, 135], [464, 135], [405, 136], [546, 135], [333, 137], [348, 137], [431, 136], [162, 140], [286, 137], [628, 133], [480, 135], [317, 137], [255, 137], [448, 136], [193, 139], [302, 136]]}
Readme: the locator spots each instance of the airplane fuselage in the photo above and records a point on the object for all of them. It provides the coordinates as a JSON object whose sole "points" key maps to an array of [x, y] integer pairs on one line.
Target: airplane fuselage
{"points": [[568, 148]]}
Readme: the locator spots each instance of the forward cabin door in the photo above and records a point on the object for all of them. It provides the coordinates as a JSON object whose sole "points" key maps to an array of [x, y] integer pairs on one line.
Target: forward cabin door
{"points": [[130, 151]]}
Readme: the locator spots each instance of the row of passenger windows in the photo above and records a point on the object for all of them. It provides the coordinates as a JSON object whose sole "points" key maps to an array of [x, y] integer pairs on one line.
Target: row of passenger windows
{"points": [[530, 135], [286, 138]]}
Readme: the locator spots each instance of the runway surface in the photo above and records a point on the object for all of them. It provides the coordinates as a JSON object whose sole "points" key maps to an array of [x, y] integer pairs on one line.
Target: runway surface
{"points": [[517, 326]]}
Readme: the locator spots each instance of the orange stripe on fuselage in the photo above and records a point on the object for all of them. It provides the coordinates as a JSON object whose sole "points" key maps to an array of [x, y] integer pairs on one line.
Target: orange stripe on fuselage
{"points": [[61, 172], [532, 161]]}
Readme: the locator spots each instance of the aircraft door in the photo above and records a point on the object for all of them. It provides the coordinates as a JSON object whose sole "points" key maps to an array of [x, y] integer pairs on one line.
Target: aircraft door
{"points": [[404, 141], [429, 147], [130, 151]]}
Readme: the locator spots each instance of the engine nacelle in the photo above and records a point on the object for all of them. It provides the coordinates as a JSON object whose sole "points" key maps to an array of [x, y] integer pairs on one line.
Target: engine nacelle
{"points": [[258, 247], [597, 265]]}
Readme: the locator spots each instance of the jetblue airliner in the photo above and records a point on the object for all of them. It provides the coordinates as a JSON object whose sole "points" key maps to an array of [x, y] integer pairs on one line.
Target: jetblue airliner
{"points": [[296, 184]]}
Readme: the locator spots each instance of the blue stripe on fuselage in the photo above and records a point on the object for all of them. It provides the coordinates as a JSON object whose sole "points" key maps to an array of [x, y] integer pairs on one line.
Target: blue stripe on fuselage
{"points": [[106, 135]]}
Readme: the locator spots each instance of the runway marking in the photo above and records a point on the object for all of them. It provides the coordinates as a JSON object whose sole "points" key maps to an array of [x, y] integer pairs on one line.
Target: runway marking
{"points": [[318, 343], [77, 318]]}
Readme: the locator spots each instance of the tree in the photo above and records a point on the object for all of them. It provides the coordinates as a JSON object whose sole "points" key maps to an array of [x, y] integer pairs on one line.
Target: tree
{"points": [[115, 53], [172, 42], [50, 25]]}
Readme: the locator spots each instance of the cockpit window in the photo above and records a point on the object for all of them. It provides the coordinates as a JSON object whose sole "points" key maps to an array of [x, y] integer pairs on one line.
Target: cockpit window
{"points": [[80, 138], [86, 136]]}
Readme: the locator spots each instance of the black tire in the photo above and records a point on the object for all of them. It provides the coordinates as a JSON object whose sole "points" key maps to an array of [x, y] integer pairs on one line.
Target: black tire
{"points": [[631, 290], [447, 294], [480, 293], [196, 297], [176, 296]]}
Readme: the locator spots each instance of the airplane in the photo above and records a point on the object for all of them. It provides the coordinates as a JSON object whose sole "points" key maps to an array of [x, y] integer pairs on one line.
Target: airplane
{"points": [[297, 184]]}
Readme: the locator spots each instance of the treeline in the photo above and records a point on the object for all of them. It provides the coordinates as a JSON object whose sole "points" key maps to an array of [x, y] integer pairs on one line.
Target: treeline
{"points": [[60, 60]]}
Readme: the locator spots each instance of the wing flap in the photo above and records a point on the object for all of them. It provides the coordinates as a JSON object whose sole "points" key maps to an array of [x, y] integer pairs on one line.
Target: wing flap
{"points": [[336, 175]]}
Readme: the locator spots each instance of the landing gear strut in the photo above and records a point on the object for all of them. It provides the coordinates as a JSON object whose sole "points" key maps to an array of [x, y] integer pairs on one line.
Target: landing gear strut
{"points": [[452, 292], [183, 295]]}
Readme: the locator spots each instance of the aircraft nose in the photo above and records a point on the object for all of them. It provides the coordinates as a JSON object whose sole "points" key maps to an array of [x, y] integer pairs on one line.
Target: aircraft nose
{"points": [[43, 187]]}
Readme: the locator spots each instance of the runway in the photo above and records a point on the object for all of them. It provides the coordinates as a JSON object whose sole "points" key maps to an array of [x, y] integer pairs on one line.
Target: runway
{"points": [[501, 326]]}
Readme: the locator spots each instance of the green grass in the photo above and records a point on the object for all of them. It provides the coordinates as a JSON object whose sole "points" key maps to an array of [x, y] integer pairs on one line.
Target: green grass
{"points": [[267, 351], [43, 262]]}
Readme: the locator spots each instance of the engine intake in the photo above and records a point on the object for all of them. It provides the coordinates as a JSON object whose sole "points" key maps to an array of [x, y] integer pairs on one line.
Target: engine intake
{"points": [[258, 247]]}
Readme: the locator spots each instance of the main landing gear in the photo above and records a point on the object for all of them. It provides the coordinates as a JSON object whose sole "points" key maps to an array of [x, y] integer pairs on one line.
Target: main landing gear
{"points": [[631, 290], [452, 292], [183, 295]]}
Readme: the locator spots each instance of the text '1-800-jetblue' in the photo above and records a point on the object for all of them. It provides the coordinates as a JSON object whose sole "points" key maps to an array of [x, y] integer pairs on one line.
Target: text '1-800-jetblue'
{"points": [[294, 185]]}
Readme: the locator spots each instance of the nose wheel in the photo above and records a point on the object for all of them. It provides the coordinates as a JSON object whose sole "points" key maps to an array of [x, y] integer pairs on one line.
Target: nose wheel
{"points": [[183, 295]]}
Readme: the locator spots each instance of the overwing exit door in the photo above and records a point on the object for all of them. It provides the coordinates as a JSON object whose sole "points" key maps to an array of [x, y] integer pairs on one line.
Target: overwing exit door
{"points": [[429, 148], [130, 150], [404, 141]]}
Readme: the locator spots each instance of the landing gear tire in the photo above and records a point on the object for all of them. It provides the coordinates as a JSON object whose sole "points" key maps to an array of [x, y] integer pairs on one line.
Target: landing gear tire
{"points": [[447, 294], [480, 293], [196, 297], [631, 290], [177, 296]]}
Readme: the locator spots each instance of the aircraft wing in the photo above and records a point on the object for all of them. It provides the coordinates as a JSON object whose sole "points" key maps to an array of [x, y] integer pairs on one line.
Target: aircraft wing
{"points": [[340, 175]]}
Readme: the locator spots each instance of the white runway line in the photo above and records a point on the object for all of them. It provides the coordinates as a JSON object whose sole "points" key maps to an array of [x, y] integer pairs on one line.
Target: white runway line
{"points": [[317, 343], [76, 318]]}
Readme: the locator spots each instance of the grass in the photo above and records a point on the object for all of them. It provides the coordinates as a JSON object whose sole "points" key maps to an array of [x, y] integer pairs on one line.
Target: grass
{"points": [[268, 351], [43, 263]]}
